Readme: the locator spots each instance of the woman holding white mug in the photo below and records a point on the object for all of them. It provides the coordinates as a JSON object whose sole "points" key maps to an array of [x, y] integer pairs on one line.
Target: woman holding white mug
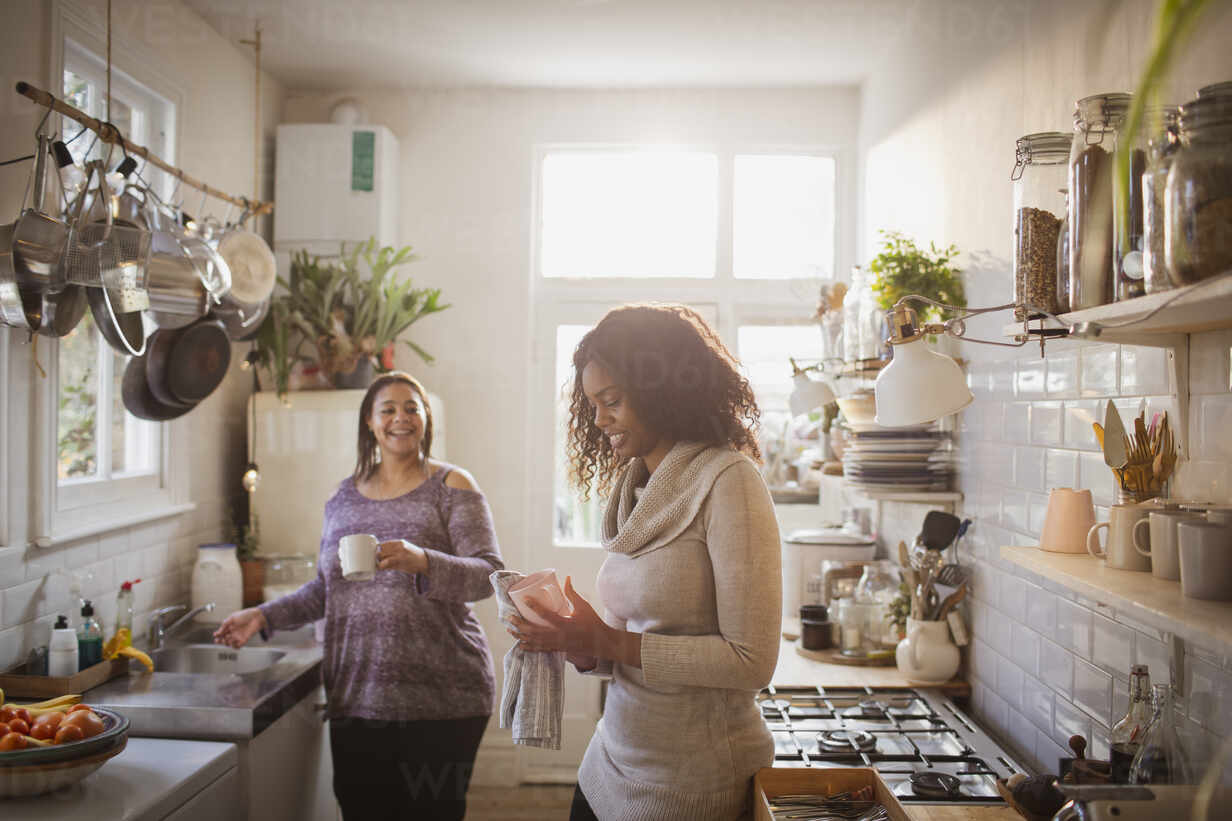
{"points": [[407, 670]]}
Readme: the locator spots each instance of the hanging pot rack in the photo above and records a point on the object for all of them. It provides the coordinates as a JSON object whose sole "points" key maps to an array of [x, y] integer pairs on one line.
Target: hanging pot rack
{"points": [[108, 133]]}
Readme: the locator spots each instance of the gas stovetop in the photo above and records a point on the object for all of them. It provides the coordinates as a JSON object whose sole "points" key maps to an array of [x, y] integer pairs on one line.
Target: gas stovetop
{"points": [[926, 749]]}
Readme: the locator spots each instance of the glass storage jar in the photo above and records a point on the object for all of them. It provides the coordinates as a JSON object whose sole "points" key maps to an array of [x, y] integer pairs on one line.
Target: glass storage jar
{"points": [[1198, 200], [1039, 209], [851, 316], [1093, 203], [1062, 253], [1162, 143]]}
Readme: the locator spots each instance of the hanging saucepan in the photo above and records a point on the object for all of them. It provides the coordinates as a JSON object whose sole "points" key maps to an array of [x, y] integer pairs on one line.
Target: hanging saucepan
{"points": [[212, 269], [186, 364], [140, 401], [177, 297], [18, 308], [253, 274]]}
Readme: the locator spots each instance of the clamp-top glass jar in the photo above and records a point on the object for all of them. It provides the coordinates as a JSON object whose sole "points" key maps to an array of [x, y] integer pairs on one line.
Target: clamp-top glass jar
{"points": [[1039, 209], [1093, 202], [1198, 236], [1162, 144]]}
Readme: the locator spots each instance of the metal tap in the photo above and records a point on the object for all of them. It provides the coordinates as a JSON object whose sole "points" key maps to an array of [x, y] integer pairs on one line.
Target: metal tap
{"points": [[158, 632]]}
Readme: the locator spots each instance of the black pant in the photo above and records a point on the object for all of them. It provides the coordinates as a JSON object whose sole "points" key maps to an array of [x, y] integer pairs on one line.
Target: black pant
{"points": [[581, 811], [403, 770]]}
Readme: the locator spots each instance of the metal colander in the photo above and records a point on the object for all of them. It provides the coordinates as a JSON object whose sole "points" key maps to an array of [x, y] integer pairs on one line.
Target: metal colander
{"points": [[115, 257]]}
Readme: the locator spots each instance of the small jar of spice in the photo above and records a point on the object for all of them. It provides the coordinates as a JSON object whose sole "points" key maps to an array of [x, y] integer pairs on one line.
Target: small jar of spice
{"points": [[1097, 121], [1198, 234], [1039, 208]]}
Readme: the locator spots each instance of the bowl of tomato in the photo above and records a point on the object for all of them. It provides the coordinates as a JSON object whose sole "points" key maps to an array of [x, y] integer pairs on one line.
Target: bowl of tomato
{"points": [[52, 750]]}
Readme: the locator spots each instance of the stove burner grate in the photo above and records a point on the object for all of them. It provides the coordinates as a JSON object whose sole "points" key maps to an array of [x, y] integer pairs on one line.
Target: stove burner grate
{"points": [[846, 741], [932, 784]]}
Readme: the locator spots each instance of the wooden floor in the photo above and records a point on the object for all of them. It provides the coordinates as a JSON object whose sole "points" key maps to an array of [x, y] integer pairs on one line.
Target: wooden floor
{"points": [[530, 802]]}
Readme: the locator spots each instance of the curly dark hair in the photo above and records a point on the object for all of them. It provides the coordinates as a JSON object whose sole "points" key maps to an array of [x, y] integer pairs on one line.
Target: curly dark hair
{"points": [[366, 449], [678, 377]]}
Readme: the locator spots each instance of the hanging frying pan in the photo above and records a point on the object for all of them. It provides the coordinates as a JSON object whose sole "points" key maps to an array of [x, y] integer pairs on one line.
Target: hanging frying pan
{"points": [[186, 364], [123, 330], [140, 402]]}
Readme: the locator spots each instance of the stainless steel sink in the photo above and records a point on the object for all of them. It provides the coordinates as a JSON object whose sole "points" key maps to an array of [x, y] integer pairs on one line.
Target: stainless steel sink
{"points": [[215, 659]]}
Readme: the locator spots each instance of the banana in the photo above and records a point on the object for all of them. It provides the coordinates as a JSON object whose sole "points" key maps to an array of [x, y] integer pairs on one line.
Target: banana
{"points": [[122, 638], [134, 653], [63, 702]]}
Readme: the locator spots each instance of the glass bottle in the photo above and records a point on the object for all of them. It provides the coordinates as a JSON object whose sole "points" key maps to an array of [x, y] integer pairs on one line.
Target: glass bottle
{"points": [[1063, 259], [1162, 145], [1161, 759], [1126, 735], [89, 638], [1039, 209], [851, 316], [1198, 198], [1093, 204]]}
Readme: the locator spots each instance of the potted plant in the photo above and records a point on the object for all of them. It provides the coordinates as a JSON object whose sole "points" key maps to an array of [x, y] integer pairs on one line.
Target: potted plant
{"points": [[340, 314], [903, 268]]}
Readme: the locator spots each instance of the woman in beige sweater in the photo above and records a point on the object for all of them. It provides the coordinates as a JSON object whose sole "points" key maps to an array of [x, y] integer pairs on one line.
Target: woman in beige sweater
{"points": [[662, 419]]}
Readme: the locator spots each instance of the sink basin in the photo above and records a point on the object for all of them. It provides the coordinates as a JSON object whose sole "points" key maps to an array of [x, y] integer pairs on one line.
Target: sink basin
{"points": [[214, 658]]}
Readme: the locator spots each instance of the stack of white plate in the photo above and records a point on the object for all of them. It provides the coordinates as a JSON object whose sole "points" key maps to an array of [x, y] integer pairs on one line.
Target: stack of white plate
{"points": [[898, 459]]}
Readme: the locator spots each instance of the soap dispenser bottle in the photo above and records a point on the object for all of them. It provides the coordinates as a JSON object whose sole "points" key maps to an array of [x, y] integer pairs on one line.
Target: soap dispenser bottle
{"points": [[124, 614], [62, 651], [89, 638]]}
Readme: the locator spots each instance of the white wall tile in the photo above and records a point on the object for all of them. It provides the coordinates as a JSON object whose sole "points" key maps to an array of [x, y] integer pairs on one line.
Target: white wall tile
{"points": [[1001, 379], [1049, 753], [1144, 370], [1041, 610], [1099, 370], [1029, 468], [1093, 690], [1030, 380], [1014, 510], [1062, 375], [1037, 702], [1074, 627], [1060, 469], [1001, 633], [1079, 416], [1154, 654], [1209, 695], [983, 661], [1210, 362], [1097, 477], [1215, 433], [1046, 423], [1069, 720], [1056, 668], [1009, 682], [1037, 511], [1111, 645], [1013, 600], [1027, 645], [1017, 422]]}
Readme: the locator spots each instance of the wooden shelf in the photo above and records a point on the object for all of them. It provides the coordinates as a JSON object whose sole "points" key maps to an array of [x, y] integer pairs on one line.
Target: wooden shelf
{"points": [[1204, 306], [1138, 595], [926, 496]]}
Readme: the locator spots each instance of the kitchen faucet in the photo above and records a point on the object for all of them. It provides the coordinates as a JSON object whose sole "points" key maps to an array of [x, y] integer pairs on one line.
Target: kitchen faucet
{"points": [[158, 632]]}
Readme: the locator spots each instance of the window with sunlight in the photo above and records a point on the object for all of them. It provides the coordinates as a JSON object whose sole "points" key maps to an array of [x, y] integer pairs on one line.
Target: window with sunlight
{"points": [[637, 213], [783, 216], [575, 522]]}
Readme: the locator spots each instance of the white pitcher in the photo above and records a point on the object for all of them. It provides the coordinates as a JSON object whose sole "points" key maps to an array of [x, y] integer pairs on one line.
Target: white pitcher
{"points": [[216, 577], [928, 655]]}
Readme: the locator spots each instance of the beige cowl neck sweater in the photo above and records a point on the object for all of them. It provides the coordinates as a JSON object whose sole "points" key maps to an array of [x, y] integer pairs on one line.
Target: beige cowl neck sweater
{"points": [[693, 565]]}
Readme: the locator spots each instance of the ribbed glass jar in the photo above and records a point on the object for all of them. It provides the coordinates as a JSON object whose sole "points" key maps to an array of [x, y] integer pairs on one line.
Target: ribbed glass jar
{"points": [[1039, 209]]}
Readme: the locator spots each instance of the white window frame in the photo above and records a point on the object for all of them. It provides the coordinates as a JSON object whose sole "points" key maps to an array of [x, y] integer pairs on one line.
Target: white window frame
{"points": [[737, 301], [79, 509]]}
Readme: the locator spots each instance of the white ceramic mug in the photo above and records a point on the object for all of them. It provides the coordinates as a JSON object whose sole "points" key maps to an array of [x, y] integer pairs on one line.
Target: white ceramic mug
{"points": [[541, 588], [1120, 552], [1206, 559], [1219, 515], [1161, 546], [1067, 521], [358, 556]]}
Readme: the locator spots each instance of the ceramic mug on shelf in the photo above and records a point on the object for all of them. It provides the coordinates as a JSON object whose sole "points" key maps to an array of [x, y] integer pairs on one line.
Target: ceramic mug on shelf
{"points": [[358, 556], [1159, 531], [1069, 518], [1120, 552], [1206, 559], [1219, 515]]}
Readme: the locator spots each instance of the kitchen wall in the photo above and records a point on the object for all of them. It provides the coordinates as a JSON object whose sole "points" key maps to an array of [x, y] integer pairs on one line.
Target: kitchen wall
{"points": [[938, 125], [215, 77]]}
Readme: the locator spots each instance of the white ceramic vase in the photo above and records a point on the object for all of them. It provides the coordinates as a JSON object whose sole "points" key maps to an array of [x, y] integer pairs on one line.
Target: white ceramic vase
{"points": [[928, 655]]}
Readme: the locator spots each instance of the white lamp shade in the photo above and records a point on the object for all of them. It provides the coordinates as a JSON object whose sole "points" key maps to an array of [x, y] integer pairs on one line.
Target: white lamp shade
{"points": [[919, 385], [808, 395]]}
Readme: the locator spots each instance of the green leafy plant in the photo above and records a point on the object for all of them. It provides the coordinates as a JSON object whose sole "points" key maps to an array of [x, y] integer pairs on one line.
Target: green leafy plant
{"points": [[903, 268], [247, 540], [900, 609], [345, 309]]}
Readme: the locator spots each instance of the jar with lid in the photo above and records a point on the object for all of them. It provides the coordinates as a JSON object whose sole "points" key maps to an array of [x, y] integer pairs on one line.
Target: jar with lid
{"points": [[1039, 208], [1198, 200], [1162, 143], [1062, 254], [1093, 201], [851, 315]]}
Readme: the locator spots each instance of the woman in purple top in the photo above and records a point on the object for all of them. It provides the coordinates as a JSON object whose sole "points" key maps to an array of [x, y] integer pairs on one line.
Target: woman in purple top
{"points": [[407, 670]]}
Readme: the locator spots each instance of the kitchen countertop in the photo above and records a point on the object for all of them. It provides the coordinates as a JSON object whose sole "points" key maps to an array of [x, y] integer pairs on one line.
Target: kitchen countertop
{"points": [[950, 812], [149, 780], [795, 670], [208, 706]]}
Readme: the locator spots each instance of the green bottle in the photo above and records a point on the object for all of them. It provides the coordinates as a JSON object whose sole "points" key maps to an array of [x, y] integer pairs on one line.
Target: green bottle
{"points": [[89, 638]]}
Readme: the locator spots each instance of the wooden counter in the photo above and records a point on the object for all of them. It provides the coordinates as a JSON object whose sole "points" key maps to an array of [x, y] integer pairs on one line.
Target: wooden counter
{"points": [[794, 670], [951, 812]]}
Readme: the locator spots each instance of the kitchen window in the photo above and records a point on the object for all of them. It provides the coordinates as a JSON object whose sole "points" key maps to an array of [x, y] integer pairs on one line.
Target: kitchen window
{"points": [[743, 236]]}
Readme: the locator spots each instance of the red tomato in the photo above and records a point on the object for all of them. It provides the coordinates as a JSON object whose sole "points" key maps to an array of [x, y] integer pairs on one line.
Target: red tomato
{"points": [[45, 726], [13, 741], [77, 707], [4, 728], [19, 726], [24, 715], [89, 724], [65, 734], [7, 714]]}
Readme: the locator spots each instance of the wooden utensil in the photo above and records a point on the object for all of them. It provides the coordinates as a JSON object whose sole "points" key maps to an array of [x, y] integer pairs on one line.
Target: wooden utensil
{"points": [[1099, 434]]}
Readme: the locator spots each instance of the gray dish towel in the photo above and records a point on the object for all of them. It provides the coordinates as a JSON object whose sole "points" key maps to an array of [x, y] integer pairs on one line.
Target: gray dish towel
{"points": [[533, 699]]}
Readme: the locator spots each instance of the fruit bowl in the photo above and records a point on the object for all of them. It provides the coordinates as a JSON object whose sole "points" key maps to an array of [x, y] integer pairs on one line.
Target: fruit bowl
{"points": [[36, 770]]}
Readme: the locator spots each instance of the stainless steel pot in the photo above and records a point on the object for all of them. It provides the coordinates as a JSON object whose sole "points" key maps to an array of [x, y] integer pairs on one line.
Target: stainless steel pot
{"points": [[18, 308], [177, 297]]}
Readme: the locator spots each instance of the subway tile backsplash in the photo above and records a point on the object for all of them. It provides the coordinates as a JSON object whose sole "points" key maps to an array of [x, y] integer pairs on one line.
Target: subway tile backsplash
{"points": [[1045, 663]]}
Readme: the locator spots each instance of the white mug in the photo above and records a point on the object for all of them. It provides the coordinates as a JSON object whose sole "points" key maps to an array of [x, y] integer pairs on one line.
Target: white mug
{"points": [[358, 556], [541, 588], [1120, 552], [1161, 544], [1206, 559]]}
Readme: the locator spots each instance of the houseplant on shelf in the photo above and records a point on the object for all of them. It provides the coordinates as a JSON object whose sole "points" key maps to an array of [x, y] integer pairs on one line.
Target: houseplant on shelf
{"points": [[904, 268], [343, 315]]}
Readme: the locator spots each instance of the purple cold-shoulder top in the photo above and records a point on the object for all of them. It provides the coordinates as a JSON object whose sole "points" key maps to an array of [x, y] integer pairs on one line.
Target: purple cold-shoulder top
{"points": [[403, 647]]}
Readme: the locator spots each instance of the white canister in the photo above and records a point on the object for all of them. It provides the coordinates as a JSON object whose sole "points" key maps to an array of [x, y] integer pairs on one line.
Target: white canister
{"points": [[217, 578], [928, 655]]}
